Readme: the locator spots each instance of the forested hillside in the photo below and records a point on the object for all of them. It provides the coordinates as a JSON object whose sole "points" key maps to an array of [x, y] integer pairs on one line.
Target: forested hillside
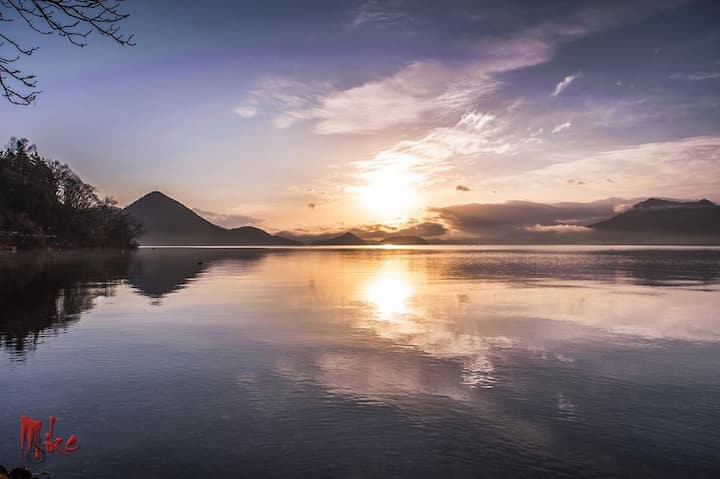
{"points": [[44, 203]]}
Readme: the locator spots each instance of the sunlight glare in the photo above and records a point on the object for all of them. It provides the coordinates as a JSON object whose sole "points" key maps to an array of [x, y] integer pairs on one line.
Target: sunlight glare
{"points": [[389, 194], [389, 293]]}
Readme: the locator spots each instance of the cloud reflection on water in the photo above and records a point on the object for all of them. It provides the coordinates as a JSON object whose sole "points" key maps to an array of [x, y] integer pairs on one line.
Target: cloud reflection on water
{"points": [[495, 354]]}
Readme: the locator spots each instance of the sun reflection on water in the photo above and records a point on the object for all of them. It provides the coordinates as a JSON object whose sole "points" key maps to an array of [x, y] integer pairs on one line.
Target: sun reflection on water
{"points": [[402, 312], [389, 292]]}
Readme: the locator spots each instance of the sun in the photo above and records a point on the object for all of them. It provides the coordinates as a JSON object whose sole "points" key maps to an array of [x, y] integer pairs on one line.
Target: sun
{"points": [[389, 194]]}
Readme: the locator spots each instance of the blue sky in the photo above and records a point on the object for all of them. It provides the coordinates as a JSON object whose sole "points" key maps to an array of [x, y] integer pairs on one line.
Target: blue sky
{"points": [[328, 114]]}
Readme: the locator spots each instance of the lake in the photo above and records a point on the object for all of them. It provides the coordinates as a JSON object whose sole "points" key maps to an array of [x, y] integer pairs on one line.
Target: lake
{"points": [[559, 361]]}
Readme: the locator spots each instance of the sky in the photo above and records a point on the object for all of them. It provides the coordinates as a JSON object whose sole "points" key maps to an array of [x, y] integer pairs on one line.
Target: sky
{"points": [[407, 116]]}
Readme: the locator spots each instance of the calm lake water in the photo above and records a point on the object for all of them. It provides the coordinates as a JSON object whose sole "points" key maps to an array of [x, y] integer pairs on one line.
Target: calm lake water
{"points": [[366, 363]]}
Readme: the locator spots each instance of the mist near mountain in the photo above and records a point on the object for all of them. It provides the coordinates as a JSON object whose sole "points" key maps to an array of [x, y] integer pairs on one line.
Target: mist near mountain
{"points": [[667, 217], [611, 221]]}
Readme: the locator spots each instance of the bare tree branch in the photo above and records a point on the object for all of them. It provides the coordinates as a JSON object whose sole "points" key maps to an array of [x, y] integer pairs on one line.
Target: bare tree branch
{"points": [[74, 20]]}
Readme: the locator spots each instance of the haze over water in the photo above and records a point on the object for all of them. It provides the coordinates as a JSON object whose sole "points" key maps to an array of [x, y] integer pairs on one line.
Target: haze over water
{"points": [[367, 362]]}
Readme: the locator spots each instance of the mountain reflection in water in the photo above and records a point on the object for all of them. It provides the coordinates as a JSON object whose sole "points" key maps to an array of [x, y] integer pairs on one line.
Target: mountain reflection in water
{"points": [[369, 362]]}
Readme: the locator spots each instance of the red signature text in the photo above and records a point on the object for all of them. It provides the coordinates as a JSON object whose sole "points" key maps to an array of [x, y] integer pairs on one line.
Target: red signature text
{"points": [[35, 448]]}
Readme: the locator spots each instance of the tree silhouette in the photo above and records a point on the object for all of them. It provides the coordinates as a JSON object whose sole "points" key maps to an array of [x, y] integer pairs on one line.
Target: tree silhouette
{"points": [[44, 202], [73, 19]]}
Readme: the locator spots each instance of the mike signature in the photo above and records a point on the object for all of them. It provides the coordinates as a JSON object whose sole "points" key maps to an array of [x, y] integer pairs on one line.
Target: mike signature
{"points": [[35, 449]]}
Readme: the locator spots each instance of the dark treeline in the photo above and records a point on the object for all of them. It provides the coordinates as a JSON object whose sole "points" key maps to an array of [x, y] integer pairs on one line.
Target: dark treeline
{"points": [[43, 202]]}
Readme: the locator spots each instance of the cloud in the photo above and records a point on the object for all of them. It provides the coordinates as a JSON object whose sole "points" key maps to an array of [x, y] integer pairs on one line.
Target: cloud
{"points": [[695, 76], [622, 208], [421, 91], [284, 99], [428, 228], [462, 188], [592, 17], [424, 229], [424, 160], [561, 127], [558, 229], [564, 83], [247, 111], [684, 168], [401, 98], [227, 220], [379, 15], [427, 90], [513, 220]]}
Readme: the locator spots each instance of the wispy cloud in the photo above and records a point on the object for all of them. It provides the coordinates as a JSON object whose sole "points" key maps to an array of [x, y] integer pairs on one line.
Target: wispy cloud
{"points": [[283, 98], [247, 111], [682, 168], [424, 88], [561, 127], [428, 90], [558, 229], [697, 76], [379, 14], [421, 91], [228, 220], [405, 97], [426, 158], [623, 207], [565, 82]]}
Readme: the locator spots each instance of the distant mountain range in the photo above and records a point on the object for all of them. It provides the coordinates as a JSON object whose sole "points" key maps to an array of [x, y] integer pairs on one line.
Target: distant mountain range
{"points": [[353, 239], [343, 239], [168, 222], [404, 240]]}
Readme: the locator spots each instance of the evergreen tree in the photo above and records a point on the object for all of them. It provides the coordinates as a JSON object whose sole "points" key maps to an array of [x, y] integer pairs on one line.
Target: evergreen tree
{"points": [[44, 201]]}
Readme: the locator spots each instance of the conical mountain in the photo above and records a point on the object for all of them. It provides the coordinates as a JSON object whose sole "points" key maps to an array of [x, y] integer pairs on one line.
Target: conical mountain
{"points": [[167, 222]]}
